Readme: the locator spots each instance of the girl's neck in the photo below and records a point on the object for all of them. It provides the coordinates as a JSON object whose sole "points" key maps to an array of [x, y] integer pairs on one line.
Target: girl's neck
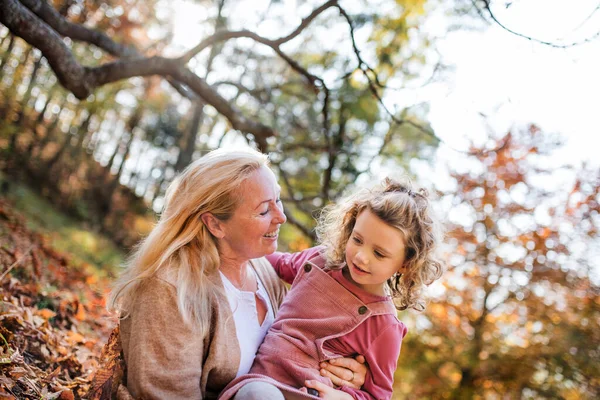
{"points": [[377, 290]]}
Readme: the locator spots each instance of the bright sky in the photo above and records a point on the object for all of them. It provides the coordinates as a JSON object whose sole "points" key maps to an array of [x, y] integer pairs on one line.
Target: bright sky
{"points": [[514, 81]]}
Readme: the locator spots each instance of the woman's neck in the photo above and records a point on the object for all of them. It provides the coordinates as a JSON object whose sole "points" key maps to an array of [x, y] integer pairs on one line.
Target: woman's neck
{"points": [[238, 273]]}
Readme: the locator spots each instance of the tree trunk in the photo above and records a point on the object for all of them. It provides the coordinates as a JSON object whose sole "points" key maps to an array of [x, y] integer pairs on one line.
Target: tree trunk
{"points": [[187, 148], [6, 55], [27, 95]]}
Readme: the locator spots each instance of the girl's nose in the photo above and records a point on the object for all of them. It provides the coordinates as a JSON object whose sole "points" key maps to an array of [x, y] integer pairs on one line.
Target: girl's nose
{"points": [[360, 256]]}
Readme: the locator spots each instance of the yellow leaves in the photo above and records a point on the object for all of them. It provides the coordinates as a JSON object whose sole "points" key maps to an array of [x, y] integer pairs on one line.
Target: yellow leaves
{"points": [[412, 8]]}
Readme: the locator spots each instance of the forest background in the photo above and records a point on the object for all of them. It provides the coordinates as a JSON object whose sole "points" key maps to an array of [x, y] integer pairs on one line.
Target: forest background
{"points": [[102, 103]]}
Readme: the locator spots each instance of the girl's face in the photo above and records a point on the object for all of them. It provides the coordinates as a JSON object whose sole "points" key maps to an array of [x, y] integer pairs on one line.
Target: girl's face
{"points": [[374, 252], [253, 229]]}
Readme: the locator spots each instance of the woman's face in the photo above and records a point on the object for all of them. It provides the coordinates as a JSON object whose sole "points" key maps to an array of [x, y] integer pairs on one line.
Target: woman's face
{"points": [[253, 229]]}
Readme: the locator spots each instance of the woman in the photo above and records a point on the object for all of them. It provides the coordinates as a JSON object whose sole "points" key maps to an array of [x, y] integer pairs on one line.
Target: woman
{"points": [[197, 296]]}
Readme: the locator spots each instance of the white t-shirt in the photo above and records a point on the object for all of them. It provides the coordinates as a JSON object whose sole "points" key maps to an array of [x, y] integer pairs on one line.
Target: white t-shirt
{"points": [[250, 334]]}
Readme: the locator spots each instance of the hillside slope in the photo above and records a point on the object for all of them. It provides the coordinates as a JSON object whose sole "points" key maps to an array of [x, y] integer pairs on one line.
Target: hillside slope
{"points": [[53, 322]]}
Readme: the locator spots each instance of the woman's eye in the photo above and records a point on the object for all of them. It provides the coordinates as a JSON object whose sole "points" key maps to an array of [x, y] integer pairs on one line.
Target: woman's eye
{"points": [[265, 213]]}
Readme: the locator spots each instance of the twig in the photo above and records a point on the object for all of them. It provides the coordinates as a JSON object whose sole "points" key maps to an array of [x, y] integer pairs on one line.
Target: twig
{"points": [[15, 264], [222, 36], [559, 46]]}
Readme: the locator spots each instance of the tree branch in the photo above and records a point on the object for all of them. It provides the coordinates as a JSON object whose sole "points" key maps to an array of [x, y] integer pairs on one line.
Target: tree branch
{"points": [[222, 36], [75, 31], [307, 232], [59, 24], [486, 5], [316, 82], [82, 80], [365, 68]]}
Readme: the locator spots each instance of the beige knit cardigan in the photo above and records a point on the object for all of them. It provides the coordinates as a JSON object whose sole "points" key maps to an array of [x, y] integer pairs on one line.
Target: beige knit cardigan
{"points": [[167, 358]]}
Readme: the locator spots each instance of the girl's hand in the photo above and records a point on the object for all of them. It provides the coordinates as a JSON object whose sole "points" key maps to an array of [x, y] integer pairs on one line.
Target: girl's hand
{"points": [[345, 371], [326, 392]]}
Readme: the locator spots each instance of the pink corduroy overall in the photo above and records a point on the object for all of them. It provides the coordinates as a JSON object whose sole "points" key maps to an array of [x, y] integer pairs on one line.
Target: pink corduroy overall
{"points": [[317, 308]]}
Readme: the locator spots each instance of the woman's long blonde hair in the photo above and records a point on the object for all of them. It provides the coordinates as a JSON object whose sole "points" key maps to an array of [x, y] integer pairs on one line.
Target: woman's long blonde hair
{"points": [[406, 209], [180, 244]]}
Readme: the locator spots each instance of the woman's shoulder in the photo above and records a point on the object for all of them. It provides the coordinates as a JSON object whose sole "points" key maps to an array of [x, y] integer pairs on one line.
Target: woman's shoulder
{"points": [[157, 284], [154, 293]]}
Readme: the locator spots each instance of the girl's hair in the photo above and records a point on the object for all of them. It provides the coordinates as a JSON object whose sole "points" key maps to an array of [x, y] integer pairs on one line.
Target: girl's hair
{"points": [[400, 206], [180, 244]]}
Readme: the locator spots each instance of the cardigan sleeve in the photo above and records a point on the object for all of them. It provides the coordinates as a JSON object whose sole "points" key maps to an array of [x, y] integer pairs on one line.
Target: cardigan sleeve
{"points": [[382, 358], [164, 354], [287, 264]]}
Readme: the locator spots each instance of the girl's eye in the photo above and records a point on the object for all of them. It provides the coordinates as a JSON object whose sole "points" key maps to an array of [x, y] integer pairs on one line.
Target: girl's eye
{"points": [[379, 255], [356, 240]]}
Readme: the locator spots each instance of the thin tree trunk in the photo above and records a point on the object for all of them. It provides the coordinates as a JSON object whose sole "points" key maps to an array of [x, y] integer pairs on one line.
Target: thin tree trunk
{"points": [[186, 150], [27, 95], [6, 55]]}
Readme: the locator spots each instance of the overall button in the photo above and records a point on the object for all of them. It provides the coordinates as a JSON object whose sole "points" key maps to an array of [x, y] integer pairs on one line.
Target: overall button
{"points": [[307, 268], [362, 310]]}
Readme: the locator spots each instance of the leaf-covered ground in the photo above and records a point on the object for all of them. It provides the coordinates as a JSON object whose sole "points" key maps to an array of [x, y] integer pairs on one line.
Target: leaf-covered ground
{"points": [[53, 322]]}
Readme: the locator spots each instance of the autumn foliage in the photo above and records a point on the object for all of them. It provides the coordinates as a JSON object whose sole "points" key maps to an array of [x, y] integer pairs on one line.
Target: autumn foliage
{"points": [[53, 323], [518, 313], [515, 316]]}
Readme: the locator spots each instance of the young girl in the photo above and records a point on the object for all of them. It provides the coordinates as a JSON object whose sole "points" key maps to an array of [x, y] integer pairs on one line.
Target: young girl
{"points": [[377, 252]]}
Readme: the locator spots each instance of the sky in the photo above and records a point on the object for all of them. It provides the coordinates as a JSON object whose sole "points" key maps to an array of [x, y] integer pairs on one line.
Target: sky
{"points": [[514, 81]]}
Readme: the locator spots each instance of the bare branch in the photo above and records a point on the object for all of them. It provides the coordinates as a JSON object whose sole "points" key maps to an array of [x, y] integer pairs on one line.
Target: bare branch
{"points": [[82, 80], [307, 232], [23, 23], [316, 82], [75, 31], [304, 146], [225, 35], [273, 43], [486, 5], [290, 189], [80, 33], [306, 21], [365, 68]]}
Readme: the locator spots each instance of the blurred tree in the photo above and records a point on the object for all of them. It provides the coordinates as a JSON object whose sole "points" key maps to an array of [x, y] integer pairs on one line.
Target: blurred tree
{"points": [[312, 97], [518, 312]]}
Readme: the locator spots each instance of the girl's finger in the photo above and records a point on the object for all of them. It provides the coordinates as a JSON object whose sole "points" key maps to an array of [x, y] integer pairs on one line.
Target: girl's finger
{"points": [[335, 379]]}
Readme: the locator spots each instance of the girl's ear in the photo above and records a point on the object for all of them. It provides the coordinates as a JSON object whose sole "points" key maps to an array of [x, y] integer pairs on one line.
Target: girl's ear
{"points": [[213, 224]]}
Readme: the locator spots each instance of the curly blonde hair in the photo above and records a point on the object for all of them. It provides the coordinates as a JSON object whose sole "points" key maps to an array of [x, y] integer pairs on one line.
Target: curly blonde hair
{"points": [[404, 208]]}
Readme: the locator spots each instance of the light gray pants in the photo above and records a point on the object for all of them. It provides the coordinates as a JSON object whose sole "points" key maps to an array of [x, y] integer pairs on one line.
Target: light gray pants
{"points": [[259, 391]]}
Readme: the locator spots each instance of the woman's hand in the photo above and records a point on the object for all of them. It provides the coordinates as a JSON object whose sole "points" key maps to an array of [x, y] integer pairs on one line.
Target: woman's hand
{"points": [[326, 392], [345, 371]]}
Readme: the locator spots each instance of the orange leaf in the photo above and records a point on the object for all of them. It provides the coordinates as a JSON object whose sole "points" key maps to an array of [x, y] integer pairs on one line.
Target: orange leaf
{"points": [[46, 313]]}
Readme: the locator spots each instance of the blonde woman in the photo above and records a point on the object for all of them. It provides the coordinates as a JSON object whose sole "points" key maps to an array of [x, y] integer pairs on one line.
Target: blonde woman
{"points": [[197, 296]]}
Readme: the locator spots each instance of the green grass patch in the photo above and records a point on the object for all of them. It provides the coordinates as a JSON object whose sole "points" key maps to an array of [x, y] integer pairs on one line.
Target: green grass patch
{"points": [[66, 234]]}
